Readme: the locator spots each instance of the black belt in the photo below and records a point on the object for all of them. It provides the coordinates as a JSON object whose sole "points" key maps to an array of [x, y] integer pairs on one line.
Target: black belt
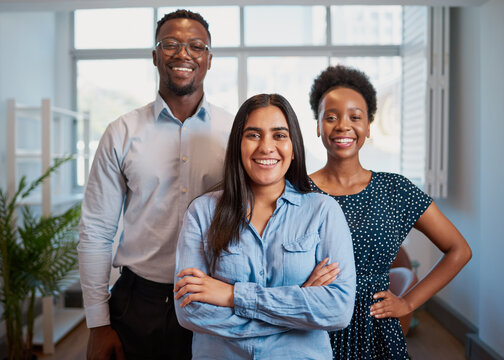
{"points": [[147, 286]]}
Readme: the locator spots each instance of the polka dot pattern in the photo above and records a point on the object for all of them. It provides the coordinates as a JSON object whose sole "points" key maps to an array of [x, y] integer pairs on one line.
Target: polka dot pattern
{"points": [[379, 217]]}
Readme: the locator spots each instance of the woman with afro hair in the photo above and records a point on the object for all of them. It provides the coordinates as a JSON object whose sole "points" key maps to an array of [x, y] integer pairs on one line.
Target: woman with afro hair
{"points": [[381, 208]]}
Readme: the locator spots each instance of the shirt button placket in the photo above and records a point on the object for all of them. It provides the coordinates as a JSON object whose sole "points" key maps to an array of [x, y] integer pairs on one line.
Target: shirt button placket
{"points": [[184, 170]]}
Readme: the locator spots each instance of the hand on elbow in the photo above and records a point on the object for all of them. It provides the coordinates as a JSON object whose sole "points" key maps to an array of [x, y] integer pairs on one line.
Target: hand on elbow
{"points": [[195, 285]]}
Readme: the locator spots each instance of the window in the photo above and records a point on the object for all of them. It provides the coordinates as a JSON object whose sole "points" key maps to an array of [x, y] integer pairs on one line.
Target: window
{"points": [[256, 49]]}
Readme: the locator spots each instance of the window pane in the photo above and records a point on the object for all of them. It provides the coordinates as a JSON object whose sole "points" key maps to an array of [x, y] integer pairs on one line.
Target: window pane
{"points": [[114, 28], [364, 25], [221, 83], [292, 77], [285, 25], [223, 22], [382, 151], [110, 88]]}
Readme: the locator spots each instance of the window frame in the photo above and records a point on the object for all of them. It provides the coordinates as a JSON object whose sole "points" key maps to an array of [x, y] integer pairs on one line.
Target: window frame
{"points": [[243, 52]]}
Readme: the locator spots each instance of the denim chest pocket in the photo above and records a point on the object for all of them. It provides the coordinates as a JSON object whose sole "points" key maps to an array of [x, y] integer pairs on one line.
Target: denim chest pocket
{"points": [[299, 258], [231, 265]]}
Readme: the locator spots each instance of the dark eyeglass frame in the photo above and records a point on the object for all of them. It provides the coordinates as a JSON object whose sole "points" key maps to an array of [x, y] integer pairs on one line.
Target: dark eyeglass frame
{"points": [[186, 45]]}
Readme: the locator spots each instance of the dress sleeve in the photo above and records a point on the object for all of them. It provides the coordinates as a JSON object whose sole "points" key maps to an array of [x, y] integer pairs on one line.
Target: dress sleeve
{"points": [[411, 203], [101, 209], [201, 317], [309, 308]]}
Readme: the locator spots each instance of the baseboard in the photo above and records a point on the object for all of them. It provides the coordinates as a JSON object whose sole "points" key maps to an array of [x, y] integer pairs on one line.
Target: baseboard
{"points": [[478, 350], [451, 319], [461, 329]]}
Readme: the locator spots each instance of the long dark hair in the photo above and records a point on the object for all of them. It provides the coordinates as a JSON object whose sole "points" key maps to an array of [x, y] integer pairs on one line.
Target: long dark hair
{"points": [[231, 211]]}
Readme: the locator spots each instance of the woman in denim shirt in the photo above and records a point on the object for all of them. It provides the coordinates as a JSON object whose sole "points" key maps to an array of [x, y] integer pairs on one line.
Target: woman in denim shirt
{"points": [[264, 241]]}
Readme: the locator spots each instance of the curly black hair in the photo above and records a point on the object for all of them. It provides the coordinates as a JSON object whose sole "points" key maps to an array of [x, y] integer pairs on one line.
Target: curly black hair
{"points": [[347, 77], [184, 14]]}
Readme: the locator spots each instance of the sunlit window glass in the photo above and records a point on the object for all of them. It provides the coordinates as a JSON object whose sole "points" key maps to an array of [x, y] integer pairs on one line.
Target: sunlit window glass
{"points": [[291, 77], [285, 25], [114, 28], [110, 88], [223, 21], [365, 25], [221, 83], [382, 150]]}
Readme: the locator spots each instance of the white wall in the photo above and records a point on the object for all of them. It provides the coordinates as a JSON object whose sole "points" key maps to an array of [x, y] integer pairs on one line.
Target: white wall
{"points": [[34, 64], [491, 311], [27, 65], [463, 203], [476, 198]]}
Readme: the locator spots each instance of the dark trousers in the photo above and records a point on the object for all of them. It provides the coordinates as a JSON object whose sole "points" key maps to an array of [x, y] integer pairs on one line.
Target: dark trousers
{"points": [[142, 313]]}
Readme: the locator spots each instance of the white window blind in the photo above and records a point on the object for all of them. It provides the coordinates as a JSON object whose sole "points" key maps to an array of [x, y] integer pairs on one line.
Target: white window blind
{"points": [[424, 136], [436, 177]]}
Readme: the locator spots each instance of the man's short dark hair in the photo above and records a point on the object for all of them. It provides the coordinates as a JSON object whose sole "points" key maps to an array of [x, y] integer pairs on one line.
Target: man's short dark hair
{"points": [[184, 14], [346, 77]]}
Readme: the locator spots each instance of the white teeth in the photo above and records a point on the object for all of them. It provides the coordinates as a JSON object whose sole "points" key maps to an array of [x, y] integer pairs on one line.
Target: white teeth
{"points": [[182, 69], [344, 141], [266, 162]]}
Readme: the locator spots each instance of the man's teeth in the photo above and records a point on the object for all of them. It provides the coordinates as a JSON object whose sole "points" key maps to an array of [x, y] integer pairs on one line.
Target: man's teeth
{"points": [[266, 162], [182, 69], [343, 141]]}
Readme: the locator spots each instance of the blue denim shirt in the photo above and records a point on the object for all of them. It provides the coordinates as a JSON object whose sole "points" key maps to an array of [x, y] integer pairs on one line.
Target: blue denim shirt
{"points": [[273, 316]]}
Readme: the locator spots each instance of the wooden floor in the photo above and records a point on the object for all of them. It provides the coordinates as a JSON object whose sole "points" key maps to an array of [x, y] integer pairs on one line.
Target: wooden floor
{"points": [[428, 341]]}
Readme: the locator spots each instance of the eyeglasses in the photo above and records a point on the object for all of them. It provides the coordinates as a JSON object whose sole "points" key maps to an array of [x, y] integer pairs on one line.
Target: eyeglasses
{"points": [[195, 48]]}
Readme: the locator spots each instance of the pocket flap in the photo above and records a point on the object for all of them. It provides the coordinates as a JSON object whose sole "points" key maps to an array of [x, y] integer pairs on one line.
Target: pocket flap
{"points": [[302, 244], [232, 249]]}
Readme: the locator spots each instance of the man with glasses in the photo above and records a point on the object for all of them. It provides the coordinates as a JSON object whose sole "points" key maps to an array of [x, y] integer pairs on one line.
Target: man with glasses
{"points": [[150, 164]]}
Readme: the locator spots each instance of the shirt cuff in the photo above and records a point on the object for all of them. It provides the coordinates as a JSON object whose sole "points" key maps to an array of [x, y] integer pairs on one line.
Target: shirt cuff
{"points": [[97, 315], [245, 299]]}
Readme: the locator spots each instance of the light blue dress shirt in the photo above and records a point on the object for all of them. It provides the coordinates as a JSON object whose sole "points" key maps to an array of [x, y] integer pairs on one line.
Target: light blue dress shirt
{"points": [[151, 166], [273, 316]]}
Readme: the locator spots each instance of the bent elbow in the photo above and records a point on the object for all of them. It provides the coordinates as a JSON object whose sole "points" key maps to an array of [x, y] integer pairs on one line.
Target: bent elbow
{"points": [[464, 254], [347, 318], [468, 253], [342, 321], [184, 317]]}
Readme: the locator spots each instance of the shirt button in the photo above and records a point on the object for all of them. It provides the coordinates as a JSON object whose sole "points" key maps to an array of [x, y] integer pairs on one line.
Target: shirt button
{"points": [[261, 272], [184, 158], [184, 190]]}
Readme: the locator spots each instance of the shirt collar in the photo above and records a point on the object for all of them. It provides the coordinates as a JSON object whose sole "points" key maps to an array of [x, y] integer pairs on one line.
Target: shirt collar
{"points": [[162, 110], [290, 194]]}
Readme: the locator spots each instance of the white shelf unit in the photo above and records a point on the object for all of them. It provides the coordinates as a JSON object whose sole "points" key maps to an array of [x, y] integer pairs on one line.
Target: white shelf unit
{"points": [[55, 321]]}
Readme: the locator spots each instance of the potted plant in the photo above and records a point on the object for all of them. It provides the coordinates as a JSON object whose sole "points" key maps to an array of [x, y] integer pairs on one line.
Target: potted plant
{"points": [[36, 255]]}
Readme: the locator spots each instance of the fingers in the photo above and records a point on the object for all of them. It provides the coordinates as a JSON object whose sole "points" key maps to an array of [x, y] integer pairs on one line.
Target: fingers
{"points": [[188, 289], [380, 295], [322, 274], [385, 308], [186, 281], [321, 264], [189, 276], [191, 272], [328, 277], [190, 298], [381, 314]]}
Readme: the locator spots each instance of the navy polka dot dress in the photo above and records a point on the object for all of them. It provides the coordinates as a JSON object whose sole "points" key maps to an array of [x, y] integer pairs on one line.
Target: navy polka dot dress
{"points": [[379, 217]]}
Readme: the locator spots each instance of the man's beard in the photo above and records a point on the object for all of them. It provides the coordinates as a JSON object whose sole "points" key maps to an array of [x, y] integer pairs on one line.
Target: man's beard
{"points": [[181, 90]]}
